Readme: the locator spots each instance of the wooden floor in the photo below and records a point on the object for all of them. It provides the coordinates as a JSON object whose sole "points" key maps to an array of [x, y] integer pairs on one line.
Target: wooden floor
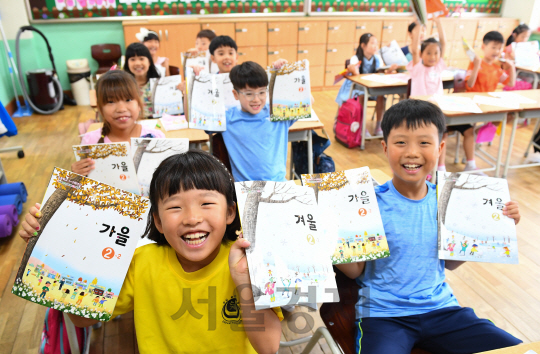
{"points": [[509, 295]]}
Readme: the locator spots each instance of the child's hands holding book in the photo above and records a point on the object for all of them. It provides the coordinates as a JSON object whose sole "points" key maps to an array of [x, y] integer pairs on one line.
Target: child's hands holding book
{"points": [[83, 167], [238, 261], [511, 210], [30, 224]]}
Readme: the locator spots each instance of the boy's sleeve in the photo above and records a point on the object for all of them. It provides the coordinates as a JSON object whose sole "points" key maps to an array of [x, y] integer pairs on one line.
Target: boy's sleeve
{"points": [[124, 304]]}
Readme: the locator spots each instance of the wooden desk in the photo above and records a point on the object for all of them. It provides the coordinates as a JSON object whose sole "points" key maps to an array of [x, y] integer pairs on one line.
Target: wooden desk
{"points": [[518, 349], [301, 131], [534, 71], [380, 176], [377, 89]]}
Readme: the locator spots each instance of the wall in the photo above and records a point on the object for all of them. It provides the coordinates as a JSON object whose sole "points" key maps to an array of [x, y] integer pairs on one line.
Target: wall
{"points": [[67, 40], [527, 11]]}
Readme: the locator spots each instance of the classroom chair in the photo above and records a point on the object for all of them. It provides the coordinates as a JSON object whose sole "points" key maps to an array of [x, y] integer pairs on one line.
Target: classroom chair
{"points": [[106, 55], [174, 70], [340, 317], [219, 150]]}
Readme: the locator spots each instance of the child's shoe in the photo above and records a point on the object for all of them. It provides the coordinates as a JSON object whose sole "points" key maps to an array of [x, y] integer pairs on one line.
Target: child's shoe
{"points": [[378, 132]]}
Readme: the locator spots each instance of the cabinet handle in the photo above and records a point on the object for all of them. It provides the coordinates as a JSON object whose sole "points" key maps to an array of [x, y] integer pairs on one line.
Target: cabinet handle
{"points": [[273, 53], [240, 54], [167, 34], [160, 35], [241, 30], [273, 29], [331, 50], [302, 52], [303, 28], [387, 27], [333, 28], [360, 27]]}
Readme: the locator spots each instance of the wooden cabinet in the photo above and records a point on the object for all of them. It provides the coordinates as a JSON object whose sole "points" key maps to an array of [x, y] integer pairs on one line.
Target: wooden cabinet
{"points": [[336, 54], [449, 26], [329, 74], [252, 53], [459, 63], [368, 26], [341, 32], [465, 29], [312, 32], [316, 75], [506, 26], [485, 26], [283, 33], [393, 29], [282, 52], [455, 50], [315, 53], [129, 36], [178, 38], [221, 28], [251, 33]]}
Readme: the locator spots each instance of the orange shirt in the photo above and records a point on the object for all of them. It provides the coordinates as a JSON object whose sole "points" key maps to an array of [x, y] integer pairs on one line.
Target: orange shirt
{"points": [[489, 75]]}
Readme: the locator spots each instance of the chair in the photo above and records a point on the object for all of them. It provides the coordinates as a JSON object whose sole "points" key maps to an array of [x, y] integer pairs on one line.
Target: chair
{"points": [[340, 317], [174, 70], [106, 55], [219, 150], [459, 86]]}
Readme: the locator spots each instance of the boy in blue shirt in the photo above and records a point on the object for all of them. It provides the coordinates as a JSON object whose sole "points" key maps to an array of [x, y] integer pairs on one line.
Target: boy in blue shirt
{"points": [[257, 147], [404, 301]]}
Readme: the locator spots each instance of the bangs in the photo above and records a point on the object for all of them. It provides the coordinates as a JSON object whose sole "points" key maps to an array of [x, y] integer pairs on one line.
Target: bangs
{"points": [[138, 50], [116, 85]]}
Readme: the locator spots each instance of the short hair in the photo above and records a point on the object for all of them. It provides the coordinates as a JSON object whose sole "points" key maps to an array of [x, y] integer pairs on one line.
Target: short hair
{"points": [[412, 25], [140, 50], [222, 41], [194, 169], [414, 113], [429, 41], [151, 35], [249, 74], [206, 33], [493, 36]]}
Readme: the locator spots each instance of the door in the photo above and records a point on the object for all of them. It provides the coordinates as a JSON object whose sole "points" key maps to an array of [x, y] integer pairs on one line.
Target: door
{"points": [[287, 52], [282, 33], [251, 34], [315, 53], [312, 32], [341, 32], [257, 54]]}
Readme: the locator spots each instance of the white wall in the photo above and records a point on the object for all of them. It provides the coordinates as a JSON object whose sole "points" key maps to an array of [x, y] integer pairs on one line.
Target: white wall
{"points": [[13, 16], [527, 11]]}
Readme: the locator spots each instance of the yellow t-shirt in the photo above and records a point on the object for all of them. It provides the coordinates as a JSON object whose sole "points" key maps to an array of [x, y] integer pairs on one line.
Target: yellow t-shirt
{"points": [[179, 312]]}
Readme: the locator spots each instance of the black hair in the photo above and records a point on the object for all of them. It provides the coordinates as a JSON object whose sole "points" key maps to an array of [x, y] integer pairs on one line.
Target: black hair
{"points": [[412, 25], [364, 39], [206, 33], [429, 41], [518, 30], [493, 36], [249, 74], [67, 291], [140, 50], [222, 41], [194, 169], [151, 35], [414, 113]]}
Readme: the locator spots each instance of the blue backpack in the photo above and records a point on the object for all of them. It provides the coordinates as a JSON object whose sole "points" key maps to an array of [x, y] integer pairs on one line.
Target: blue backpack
{"points": [[322, 163]]}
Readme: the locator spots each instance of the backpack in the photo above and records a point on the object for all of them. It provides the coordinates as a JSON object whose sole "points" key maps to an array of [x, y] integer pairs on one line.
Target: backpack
{"points": [[54, 338], [349, 112], [322, 163]]}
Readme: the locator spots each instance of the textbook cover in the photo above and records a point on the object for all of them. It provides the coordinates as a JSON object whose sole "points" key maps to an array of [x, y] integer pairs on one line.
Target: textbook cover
{"points": [[470, 220], [78, 261], [113, 164], [392, 54], [289, 91], [468, 49], [149, 153], [206, 101], [168, 99], [289, 257], [348, 199]]}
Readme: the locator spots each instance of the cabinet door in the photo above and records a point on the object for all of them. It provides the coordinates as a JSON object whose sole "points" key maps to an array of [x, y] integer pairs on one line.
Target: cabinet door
{"points": [[449, 25], [485, 26], [460, 63], [368, 26], [329, 74], [316, 75], [312, 32], [282, 52], [394, 29], [315, 53], [129, 34], [221, 29], [506, 26], [177, 39], [466, 29], [257, 54], [336, 54], [456, 51], [341, 32], [282, 33], [251, 34]]}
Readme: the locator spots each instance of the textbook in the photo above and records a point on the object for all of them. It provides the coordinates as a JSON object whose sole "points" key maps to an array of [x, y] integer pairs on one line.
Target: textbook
{"points": [[113, 164], [428, 9], [205, 101], [289, 257], [392, 54], [348, 199], [471, 224], [468, 49], [148, 153], [79, 259], [199, 59], [168, 99], [289, 91]]}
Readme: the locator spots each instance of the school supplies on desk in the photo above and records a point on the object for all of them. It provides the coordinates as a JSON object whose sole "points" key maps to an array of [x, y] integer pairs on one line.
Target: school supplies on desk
{"points": [[170, 122], [387, 79], [289, 91], [511, 96], [289, 257], [167, 97], [348, 199], [205, 101], [392, 54], [495, 101], [113, 164], [456, 104], [471, 224], [80, 256]]}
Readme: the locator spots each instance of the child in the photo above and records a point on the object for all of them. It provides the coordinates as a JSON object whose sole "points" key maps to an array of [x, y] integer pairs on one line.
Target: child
{"points": [[120, 106], [181, 283], [406, 50], [151, 41], [257, 147], [202, 42], [224, 52], [520, 34], [140, 64], [365, 61], [403, 300]]}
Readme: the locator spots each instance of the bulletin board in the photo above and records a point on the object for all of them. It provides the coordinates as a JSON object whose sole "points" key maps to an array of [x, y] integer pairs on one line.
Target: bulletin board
{"points": [[121, 10]]}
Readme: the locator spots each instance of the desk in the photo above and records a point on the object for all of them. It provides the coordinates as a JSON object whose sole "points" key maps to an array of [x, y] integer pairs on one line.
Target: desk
{"points": [[526, 111], [301, 131], [517, 349], [377, 89], [489, 114], [535, 73]]}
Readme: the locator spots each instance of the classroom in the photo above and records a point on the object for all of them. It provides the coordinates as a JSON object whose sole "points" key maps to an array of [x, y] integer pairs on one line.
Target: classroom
{"points": [[254, 118]]}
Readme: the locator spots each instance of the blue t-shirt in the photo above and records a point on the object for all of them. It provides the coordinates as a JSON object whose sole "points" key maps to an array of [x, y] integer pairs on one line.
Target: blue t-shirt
{"points": [[411, 280], [257, 147]]}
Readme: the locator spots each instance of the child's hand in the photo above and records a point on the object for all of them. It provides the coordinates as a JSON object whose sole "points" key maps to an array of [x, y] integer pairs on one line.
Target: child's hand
{"points": [[279, 63], [193, 51], [83, 167], [196, 69], [30, 224], [182, 87], [392, 69], [354, 69], [477, 61], [508, 65], [238, 261], [511, 210]]}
